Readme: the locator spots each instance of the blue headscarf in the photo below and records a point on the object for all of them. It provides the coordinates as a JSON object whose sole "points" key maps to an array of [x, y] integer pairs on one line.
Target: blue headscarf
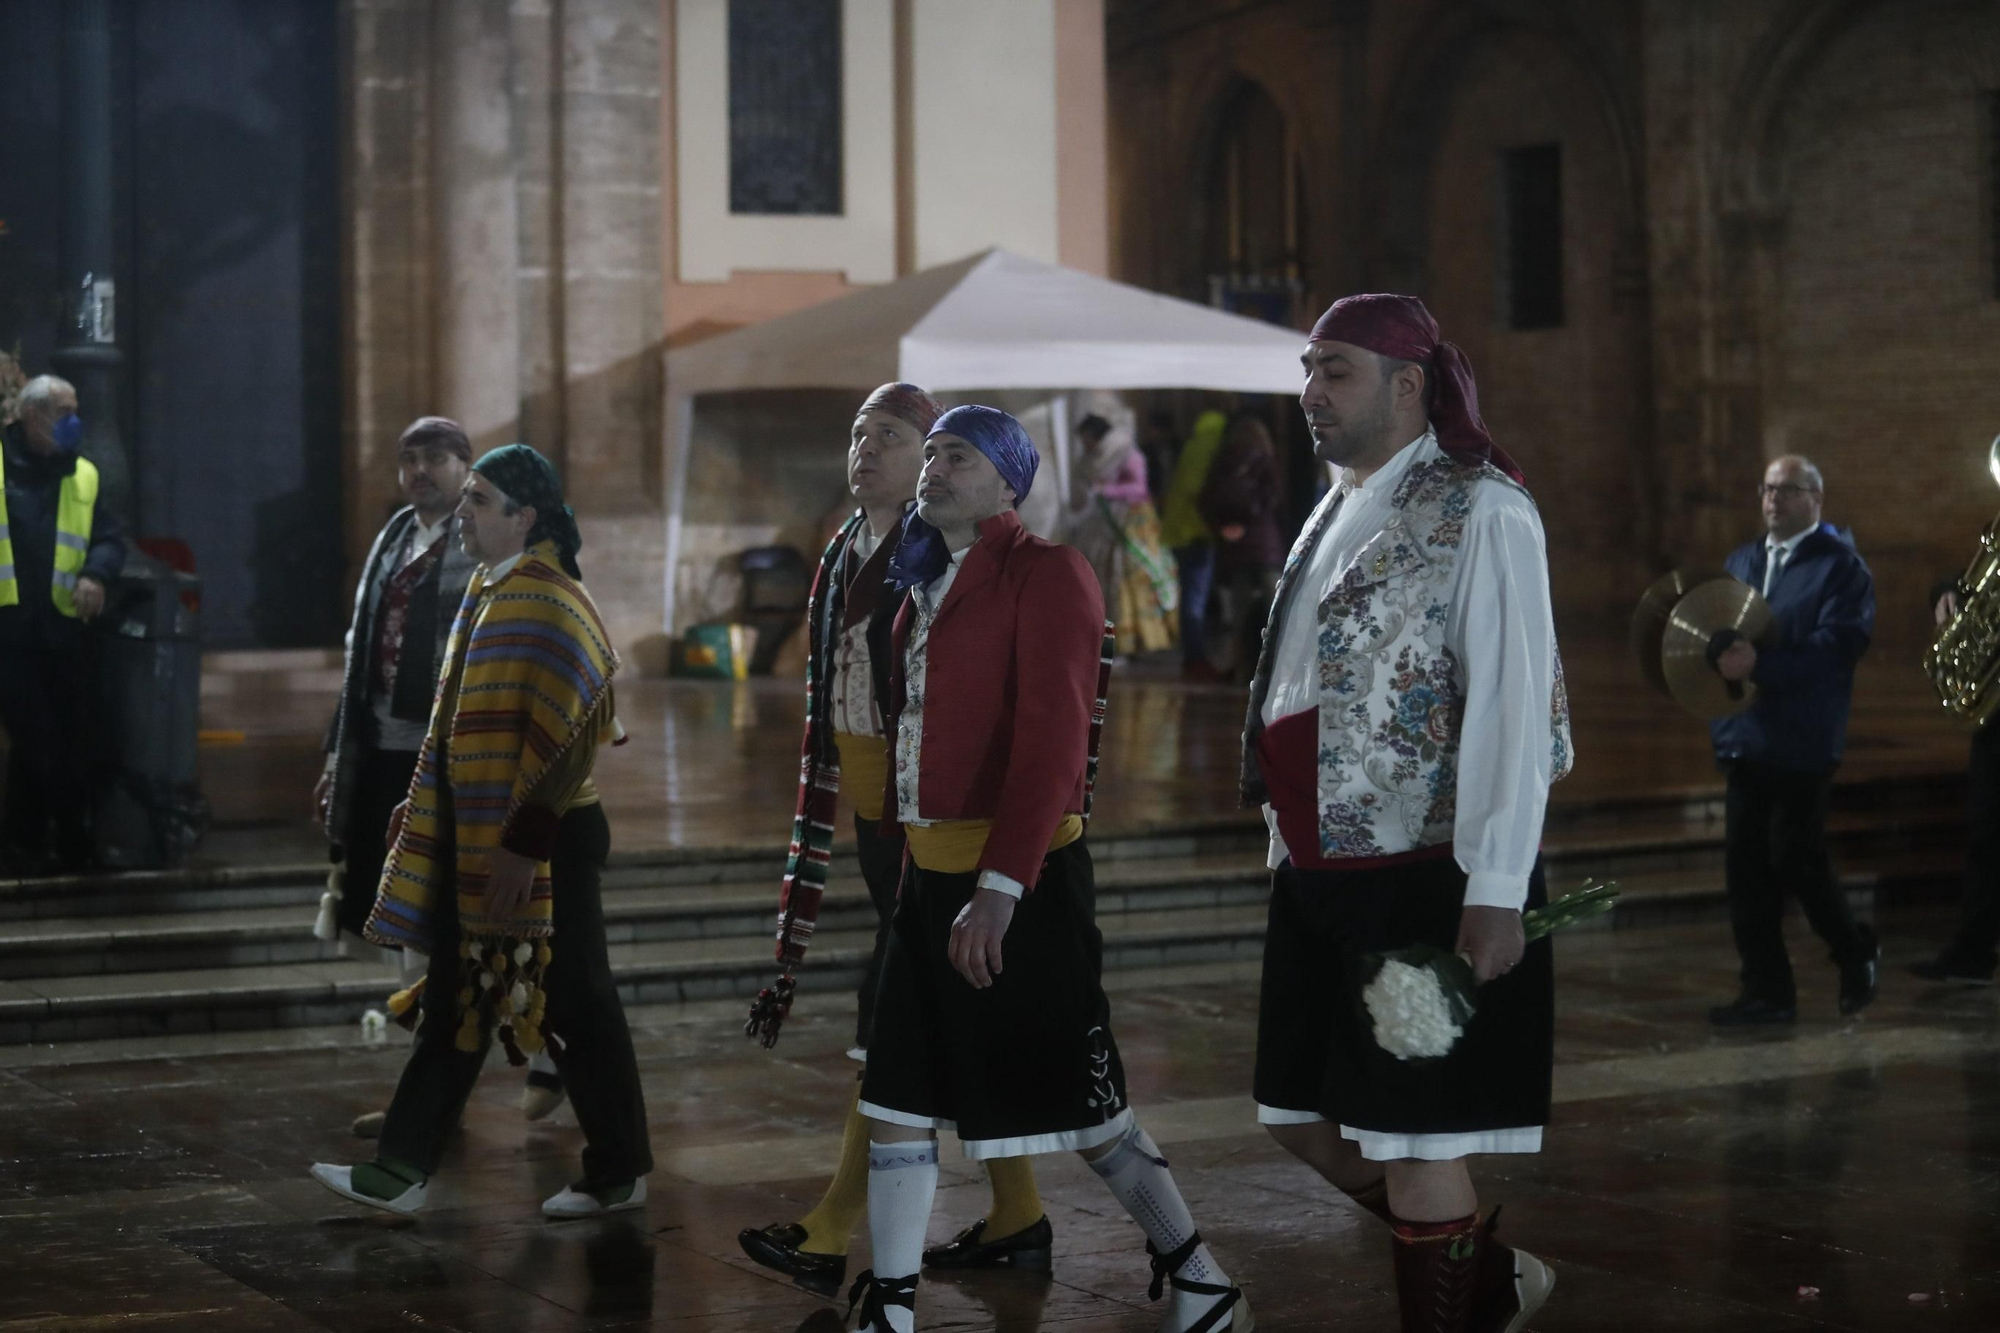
{"points": [[922, 556]]}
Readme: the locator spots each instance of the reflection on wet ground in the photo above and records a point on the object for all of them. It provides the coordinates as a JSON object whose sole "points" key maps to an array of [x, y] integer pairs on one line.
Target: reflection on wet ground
{"points": [[1692, 1181], [713, 764]]}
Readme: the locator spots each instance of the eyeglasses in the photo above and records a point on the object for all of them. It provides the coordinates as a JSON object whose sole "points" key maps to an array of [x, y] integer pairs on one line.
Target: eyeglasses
{"points": [[1788, 488]]}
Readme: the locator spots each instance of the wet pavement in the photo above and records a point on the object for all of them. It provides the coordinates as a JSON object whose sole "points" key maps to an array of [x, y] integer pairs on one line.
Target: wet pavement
{"points": [[713, 764], [1691, 1180]]}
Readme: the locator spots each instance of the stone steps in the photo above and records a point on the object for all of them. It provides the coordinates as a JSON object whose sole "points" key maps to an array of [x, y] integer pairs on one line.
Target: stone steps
{"points": [[336, 990], [217, 950], [636, 912]]}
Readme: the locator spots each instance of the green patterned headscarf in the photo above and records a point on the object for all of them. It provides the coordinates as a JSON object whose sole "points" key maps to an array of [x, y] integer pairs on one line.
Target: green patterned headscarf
{"points": [[529, 479]]}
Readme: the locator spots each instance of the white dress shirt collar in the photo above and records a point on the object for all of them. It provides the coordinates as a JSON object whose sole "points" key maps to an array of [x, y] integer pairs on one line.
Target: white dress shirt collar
{"points": [[933, 593], [504, 568], [1789, 547], [424, 535]]}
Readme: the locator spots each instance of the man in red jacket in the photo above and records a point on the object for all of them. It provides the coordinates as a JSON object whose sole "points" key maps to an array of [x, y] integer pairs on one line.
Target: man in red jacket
{"points": [[849, 620], [990, 1018]]}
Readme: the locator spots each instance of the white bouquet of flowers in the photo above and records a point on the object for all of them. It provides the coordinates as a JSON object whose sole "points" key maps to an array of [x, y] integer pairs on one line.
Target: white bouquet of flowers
{"points": [[1420, 999]]}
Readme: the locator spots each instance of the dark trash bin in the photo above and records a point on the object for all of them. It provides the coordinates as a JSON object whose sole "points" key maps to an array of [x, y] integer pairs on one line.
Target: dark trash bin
{"points": [[776, 585], [149, 812]]}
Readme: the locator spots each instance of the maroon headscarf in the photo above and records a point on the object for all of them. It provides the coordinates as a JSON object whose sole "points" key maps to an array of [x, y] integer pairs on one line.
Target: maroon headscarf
{"points": [[1399, 327], [906, 401]]}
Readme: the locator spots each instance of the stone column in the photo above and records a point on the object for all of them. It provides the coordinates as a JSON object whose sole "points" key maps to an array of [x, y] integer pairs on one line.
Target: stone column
{"points": [[538, 178], [609, 113], [387, 311], [476, 235], [1083, 239], [87, 352]]}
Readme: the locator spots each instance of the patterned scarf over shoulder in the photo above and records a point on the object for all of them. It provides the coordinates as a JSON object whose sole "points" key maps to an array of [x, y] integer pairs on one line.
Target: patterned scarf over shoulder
{"points": [[819, 760], [532, 664]]}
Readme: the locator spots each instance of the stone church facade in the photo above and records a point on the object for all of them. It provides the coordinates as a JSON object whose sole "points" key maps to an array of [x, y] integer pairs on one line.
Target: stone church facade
{"points": [[1675, 238], [1777, 233]]}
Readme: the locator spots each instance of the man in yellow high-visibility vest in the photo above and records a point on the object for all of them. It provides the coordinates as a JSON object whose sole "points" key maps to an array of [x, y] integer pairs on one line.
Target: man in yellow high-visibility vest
{"points": [[58, 551]]}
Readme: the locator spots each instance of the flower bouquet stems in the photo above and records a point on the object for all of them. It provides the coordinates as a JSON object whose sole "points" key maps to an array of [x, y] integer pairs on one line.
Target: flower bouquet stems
{"points": [[1420, 999]]}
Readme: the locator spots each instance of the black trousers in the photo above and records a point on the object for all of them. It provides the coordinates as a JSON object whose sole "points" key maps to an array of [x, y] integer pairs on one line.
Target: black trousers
{"points": [[881, 868], [43, 697], [1978, 933], [381, 779], [1776, 840], [597, 1064]]}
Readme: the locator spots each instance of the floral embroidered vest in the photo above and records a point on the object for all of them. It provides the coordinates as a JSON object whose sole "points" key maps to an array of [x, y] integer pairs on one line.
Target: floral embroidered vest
{"points": [[1391, 702]]}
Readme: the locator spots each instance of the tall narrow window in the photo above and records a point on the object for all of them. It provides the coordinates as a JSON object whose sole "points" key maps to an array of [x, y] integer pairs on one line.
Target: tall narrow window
{"points": [[1531, 251], [784, 106]]}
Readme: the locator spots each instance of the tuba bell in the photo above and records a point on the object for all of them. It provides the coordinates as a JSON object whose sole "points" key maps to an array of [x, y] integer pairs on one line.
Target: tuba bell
{"points": [[1963, 661]]}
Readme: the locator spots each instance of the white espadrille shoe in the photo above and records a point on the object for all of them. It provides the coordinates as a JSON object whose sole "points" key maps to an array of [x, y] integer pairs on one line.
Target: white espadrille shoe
{"points": [[340, 1179], [539, 1099], [1508, 1309], [572, 1203]]}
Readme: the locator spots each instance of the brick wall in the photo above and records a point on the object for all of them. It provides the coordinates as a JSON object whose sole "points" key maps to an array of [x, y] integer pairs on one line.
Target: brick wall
{"points": [[1777, 237], [1885, 357]]}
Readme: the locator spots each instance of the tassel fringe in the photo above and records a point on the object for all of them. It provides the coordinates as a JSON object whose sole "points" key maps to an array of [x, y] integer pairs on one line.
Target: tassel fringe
{"points": [[503, 985], [769, 1009]]}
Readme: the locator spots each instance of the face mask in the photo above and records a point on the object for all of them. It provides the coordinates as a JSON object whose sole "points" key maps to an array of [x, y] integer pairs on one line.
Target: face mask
{"points": [[69, 433]]}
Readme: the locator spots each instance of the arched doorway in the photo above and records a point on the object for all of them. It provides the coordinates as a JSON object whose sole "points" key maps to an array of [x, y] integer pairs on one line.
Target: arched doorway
{"points": [[1252, 210]]}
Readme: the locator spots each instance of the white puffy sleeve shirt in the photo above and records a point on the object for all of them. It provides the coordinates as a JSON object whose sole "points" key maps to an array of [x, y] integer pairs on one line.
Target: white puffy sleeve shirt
{"points": [[1502, 630]]}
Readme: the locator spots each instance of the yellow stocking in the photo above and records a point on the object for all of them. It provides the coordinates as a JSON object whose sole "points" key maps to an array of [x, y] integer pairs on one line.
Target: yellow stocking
{"points": [[1017, 1205], [845, 1202]]}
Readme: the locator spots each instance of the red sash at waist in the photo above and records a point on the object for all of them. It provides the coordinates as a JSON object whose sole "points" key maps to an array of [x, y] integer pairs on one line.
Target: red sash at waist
{"points": [[1288, 754]]}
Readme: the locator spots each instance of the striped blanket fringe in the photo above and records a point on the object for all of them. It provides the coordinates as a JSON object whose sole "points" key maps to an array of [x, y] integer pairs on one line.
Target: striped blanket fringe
{"points": [[536, 665], [819, 792]]}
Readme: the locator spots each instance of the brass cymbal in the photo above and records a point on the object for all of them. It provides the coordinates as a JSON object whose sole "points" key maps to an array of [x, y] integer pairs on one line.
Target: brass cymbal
{"points": [[1707, 608], [1649, 620]]}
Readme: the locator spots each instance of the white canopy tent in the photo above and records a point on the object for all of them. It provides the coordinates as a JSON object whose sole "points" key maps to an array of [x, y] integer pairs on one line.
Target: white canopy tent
{"points": [[993, 320]]}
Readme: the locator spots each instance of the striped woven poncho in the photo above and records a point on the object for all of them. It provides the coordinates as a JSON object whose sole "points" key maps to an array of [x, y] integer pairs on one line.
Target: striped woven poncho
{"points": [[536, 665]]}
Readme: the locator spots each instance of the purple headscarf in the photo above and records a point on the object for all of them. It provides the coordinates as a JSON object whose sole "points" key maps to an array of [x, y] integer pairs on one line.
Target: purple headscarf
{"points": [[922, 556], [1399, 327], [907, 402]]}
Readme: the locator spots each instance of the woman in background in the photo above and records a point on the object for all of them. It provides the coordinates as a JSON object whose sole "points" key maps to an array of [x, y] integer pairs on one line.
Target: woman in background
{"points": [[1240, 503], [1113, 524], [1191, 541]]}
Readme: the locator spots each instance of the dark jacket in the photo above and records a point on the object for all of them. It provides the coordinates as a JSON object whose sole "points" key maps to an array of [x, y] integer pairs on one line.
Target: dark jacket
{"points": [[432, 608], [1242, 488], [881, 621], [33, 484], [1822, 616]]}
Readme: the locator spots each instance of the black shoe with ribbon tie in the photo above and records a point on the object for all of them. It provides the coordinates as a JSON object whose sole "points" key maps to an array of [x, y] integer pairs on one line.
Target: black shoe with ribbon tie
{"points": [[873, 1293], [1230, 1311]]}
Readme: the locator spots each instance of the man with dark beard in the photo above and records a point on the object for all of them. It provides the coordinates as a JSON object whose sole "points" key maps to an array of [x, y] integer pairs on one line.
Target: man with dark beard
{"points": [[410, 587], [1406, 719]]}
